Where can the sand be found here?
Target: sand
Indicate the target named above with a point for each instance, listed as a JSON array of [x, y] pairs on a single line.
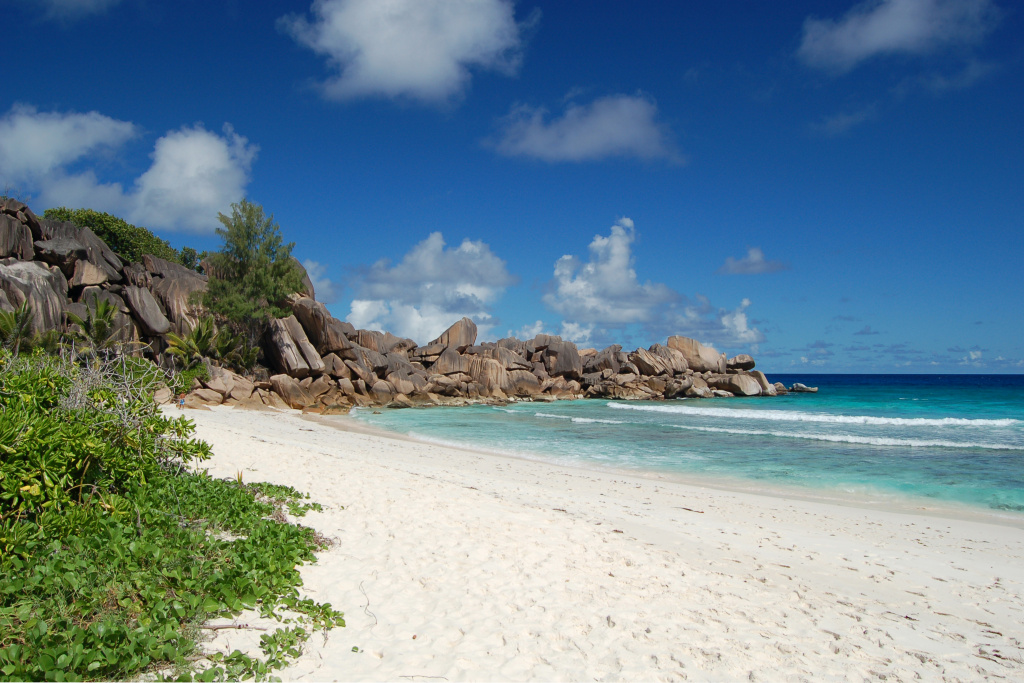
[[455, 565]]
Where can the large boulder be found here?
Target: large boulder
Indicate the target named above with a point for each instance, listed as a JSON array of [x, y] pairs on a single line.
[[327, 333], [15, 239], [767, 388], [42, 288], [675, 362], [179, 289], [313, 360], [307, 284], [491, 375], [562, 359], [291, 392], [738, 385], [63, 252], [450, 362], [740, 362], [97, 251], [459, 336], [146, 311], [649, 363], [605, 359], [125, 327], [282, 351], [699, 358]]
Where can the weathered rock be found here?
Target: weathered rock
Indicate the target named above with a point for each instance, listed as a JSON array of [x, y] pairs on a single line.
[[523, 383], [803, 389], [491, 375], [136, 275], [63, 252], [382, 391], [291, 392], [740, 362], [371, 360], [298, 335], [698, 357], [146, 310], [320, 386], [327, 333], [15, 239], [242, 389], [739, 385], [179, 289], [509, 359], [335, 367], [88, 273], [220, 381], [162, 396], [427, 353], [97, 251], [362, 373], [44, 289], [450, 362], [282, 351], [698, 388], [206, 397], [370, 339], [722, 393], [780, 388], [674, 361], [649, 363], [767, 388], [346, 387], [561, 359], [458, 336], [606, 359], [675, 388]]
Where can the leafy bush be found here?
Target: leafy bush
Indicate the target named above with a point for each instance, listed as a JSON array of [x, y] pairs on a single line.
[[183, 380], [126, 240], [112, 554]]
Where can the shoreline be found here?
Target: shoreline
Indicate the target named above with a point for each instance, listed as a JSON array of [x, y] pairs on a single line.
[[903, 503], [509, 569]]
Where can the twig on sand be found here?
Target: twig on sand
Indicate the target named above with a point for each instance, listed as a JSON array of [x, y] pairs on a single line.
[[223, 626], [422, 676], [366, 608], [699, 512]]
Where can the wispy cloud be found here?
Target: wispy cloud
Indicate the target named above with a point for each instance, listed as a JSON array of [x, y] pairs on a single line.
[[881, 27], [613, 126], [419, 49], [754, 263], [70, 10], [866, 330], [838, 124]]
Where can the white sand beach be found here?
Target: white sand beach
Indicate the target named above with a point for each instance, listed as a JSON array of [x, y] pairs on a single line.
[[455, 565]]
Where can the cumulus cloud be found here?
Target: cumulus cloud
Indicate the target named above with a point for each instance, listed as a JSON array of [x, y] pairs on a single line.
[[430, 288], [421, 49], [754, 263], [602, 296], [34, 144], [194, 174], [322, 285], [866, 331], [613, 126], [880, 27]]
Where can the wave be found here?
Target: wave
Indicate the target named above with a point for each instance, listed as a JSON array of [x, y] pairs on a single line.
[[580, 420], [850, 438], [799, 416]]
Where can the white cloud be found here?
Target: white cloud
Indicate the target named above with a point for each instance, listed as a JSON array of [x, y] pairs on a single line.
[[529, 331], [64, 10], [838, 124], [432, 287], [879, 27], [614, 126], [605, 289], [194, 175], [599, 298], [754, 263], [322, 285], [423, 49], [34, 144]]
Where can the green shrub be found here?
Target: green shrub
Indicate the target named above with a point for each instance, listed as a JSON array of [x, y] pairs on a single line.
[[128, 241], [113, 554]]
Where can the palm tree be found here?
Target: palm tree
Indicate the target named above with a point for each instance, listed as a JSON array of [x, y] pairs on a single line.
[[14, 326], [193, 347], [97, 330]]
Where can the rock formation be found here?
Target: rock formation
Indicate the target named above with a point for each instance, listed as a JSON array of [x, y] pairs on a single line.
[[319, 363]]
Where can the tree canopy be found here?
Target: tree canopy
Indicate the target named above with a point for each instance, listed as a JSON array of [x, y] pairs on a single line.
[[253, 273]]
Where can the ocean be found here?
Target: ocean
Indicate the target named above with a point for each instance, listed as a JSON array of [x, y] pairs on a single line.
[[954, 441]]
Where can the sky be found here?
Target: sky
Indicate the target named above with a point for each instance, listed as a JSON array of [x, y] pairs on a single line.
[[830, 186]]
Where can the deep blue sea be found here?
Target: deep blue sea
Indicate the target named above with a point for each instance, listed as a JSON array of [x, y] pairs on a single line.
[[950, 439]]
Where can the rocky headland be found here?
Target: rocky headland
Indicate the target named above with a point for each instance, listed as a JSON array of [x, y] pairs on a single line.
[[317, 363]]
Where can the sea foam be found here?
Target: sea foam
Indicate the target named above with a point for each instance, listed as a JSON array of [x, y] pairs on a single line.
[[800, 416], [850, 438]]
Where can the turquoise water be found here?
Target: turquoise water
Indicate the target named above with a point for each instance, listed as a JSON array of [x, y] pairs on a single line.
[[954, 439]]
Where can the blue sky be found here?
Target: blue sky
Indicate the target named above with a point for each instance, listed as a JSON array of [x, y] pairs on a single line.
[[830, 186]]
